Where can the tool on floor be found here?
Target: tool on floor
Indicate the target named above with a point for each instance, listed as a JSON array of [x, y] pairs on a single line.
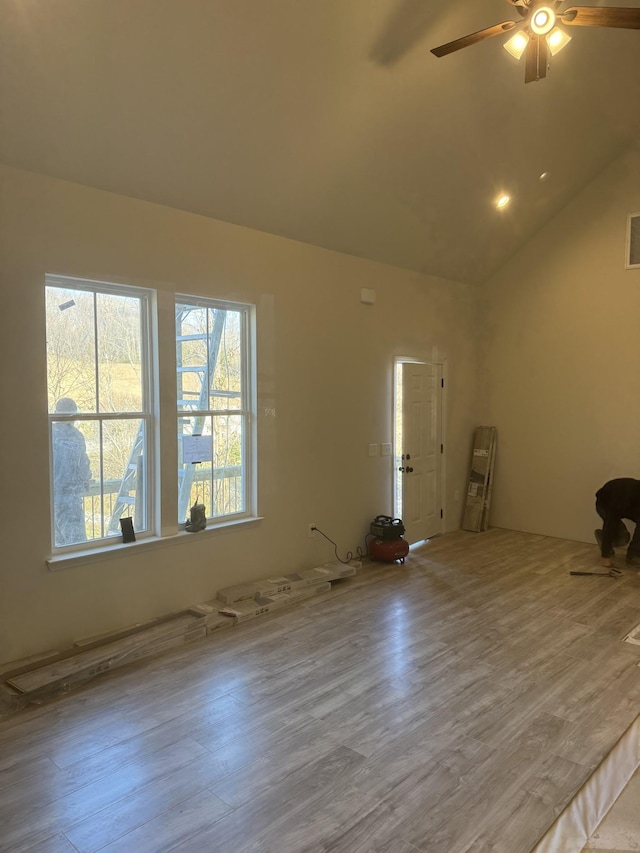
[[388, 544], [612, 573]]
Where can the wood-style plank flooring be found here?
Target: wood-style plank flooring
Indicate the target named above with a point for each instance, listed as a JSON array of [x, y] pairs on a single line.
[[452, 704]]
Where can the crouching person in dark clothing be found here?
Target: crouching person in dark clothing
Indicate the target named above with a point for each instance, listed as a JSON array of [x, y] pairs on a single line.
[[616, 500]]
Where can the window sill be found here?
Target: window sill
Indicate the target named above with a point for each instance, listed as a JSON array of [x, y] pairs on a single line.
[[71, 559]]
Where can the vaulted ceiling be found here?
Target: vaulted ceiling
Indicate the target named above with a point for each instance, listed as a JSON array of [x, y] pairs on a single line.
[[327, 121]]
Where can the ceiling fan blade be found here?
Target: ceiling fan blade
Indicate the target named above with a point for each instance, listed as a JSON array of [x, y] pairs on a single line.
[[407, 24], [543, 57], [536, 59], [466, 41], [602, 16], [531, 60]]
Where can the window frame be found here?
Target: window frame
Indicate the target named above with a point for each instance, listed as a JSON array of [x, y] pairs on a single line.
[[158, 410], [148, 411], [247, 410]]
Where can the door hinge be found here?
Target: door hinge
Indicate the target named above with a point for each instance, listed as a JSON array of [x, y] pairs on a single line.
[[442, 383], [442, 448], [441, 513]]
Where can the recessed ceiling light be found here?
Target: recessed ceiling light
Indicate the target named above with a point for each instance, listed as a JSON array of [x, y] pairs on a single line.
[[543, 176], [503, 201]]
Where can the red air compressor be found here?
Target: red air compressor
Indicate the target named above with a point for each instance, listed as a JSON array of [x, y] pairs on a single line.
[[388, 544]]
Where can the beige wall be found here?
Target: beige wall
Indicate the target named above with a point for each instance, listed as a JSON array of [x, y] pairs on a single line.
[[561, 362], [325, 384]]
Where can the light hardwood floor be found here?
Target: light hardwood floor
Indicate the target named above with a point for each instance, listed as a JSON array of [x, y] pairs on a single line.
[[452, 704]]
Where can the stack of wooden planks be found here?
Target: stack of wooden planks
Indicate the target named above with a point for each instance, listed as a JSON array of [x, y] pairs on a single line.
[[246, 601], [55, 671], [476, 512]]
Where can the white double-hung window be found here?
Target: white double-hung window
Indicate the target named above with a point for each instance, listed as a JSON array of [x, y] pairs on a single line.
[[101, 404], [214, 354], [105, 412]]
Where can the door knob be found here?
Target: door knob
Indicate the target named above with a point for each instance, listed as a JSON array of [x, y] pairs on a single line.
[[409, 470], [401, 469]]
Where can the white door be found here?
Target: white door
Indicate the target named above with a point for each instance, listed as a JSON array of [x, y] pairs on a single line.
[[418, 449]]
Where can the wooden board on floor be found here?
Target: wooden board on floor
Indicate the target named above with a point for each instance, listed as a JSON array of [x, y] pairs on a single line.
[[250, 608], [286, 582], [213, 619], [17, 667], [476, 512], [85, 664]]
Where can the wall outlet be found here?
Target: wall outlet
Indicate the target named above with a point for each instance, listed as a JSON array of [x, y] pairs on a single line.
[[311, 532], [386, 449], [373, 450]]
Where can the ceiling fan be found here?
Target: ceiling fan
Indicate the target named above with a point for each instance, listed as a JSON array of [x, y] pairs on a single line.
[[538, 35]]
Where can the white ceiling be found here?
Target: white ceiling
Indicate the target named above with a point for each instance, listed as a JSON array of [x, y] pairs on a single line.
[[327, 121]]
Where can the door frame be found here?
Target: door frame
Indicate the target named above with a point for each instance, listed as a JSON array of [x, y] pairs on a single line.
[[442, 364]]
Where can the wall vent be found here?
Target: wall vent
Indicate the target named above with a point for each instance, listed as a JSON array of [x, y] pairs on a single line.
[[633, 242]]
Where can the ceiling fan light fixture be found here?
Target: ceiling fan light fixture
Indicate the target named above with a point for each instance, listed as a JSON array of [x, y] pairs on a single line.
[[557, 39], [543, 21], [517, 44]]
